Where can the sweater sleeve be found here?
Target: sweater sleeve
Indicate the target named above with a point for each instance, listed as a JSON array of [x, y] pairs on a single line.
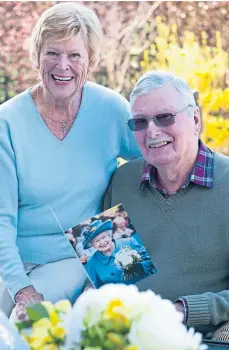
[[208, 308], [128, 149], [11, 267]]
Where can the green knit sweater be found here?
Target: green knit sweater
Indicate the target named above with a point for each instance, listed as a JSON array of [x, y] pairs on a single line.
[[187, 236]]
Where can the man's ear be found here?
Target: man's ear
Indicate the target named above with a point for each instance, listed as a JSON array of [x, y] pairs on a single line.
[[197, 121]]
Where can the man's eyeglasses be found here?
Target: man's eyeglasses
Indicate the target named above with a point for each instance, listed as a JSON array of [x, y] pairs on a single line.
[[162, 120]]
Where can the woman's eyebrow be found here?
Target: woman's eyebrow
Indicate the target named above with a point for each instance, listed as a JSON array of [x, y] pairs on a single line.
[[51, 48], [56, 49]]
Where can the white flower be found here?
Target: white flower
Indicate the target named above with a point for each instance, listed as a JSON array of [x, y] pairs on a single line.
[[153, 332], [126, 257], [136, 254], [155, 323], [124, 260], [90, 305]]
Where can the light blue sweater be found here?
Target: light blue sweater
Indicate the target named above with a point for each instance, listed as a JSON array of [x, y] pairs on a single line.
[[37, 171]]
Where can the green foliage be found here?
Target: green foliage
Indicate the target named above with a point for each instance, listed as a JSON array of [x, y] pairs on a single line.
[[203, 67], [36, 312], [107, 334]]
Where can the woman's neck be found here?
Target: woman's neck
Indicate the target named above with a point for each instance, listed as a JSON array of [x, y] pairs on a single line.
[[58, 109]]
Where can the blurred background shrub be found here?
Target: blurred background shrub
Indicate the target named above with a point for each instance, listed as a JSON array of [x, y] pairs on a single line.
[[188, 38]]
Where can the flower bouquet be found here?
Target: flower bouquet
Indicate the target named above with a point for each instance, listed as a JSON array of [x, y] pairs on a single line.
[[126, 259], [114, 317], [45, 327]]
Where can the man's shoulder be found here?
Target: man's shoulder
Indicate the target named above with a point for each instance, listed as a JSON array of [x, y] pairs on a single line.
[[128, 176], [135, 166], [221, 167]]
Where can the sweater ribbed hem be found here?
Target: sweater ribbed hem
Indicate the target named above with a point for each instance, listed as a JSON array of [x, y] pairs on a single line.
[[198, 310], [18, 284]]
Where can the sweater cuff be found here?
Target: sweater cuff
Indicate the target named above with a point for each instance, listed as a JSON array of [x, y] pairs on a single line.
[[17, 284], [198, 310]]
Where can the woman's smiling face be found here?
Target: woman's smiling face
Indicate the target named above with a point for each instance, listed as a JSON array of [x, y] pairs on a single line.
[[103, 241], [64, 66]]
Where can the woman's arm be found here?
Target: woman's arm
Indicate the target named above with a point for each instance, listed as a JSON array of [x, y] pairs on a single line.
[[11, 267]]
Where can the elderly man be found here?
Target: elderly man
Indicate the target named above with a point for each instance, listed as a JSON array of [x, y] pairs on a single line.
[[177, 197]]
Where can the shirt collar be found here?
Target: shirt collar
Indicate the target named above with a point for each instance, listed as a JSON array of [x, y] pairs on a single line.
[[202, 172]]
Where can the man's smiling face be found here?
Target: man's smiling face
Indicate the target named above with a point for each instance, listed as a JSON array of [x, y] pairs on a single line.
[[164, 145]]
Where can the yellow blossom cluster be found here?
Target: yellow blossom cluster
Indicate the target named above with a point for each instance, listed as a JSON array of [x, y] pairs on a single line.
[[45, 329], [205, 68]]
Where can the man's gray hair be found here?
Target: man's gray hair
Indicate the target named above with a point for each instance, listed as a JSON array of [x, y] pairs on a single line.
[[155, 80]]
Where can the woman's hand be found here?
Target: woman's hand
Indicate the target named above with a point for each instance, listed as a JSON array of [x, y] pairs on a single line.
[[83, 259], [71, 238], [26, 297]]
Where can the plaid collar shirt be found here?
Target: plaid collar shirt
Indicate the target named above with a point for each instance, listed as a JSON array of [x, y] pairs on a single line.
[[202, 172]]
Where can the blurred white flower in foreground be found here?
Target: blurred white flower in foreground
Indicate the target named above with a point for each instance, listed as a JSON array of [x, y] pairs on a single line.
[[150, 322]]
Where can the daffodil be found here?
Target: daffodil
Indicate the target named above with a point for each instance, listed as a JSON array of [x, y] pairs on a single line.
[[117, 311], [131, 347], [58, 332], [63, 306], [53, 314]]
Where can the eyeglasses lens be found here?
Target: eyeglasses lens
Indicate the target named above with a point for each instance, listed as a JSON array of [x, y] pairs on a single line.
[[164, 119], [161, 120]]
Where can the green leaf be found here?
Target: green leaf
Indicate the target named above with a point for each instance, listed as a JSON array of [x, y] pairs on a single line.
[[23, 324], [36, 312]]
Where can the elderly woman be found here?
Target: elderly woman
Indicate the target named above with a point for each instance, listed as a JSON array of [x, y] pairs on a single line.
[[59, 145], [102, 267]]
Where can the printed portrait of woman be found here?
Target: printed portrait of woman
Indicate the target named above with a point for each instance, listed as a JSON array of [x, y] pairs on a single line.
[[122, 260]]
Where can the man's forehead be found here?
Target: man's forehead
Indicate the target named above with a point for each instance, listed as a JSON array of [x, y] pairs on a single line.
[[159, 101], [144, 110]]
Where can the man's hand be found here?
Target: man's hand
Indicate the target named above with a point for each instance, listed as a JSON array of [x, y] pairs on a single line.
[[26, 297], [180, 307]]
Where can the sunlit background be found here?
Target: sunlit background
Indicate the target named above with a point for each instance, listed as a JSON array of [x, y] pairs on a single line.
[[188, 38]]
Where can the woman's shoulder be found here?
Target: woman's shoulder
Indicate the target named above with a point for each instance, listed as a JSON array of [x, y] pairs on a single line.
[[15, 106], [105, 94]]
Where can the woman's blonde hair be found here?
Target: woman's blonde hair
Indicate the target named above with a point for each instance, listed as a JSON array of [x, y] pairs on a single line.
[[62, 21]]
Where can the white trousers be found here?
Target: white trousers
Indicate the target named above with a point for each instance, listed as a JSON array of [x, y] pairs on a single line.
[[63, 279]]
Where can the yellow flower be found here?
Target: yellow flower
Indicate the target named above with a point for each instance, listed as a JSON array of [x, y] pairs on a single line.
[[37, 344], [117, 311], [115, 339], [43, 323], [63, 306], [40, 333], [53, 315], [131, 347], [58, 332]]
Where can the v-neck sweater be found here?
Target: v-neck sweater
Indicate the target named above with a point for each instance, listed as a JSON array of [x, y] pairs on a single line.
[[187, 236], [40, 173]]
